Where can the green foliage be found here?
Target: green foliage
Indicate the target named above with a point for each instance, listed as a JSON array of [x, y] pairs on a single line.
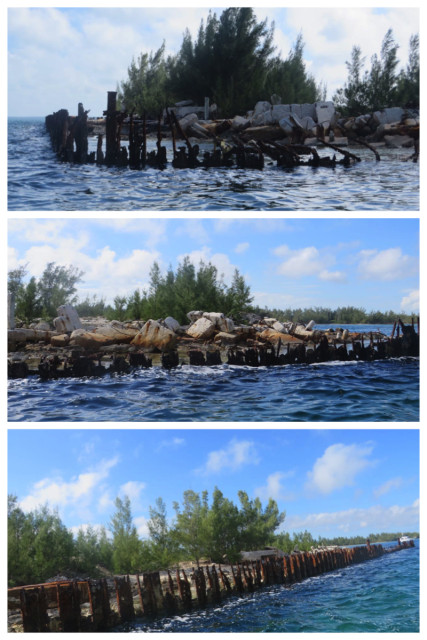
[[341, 315], [289, 78], [39, 545], [55, 287], [231, 62], [175, 294], [92, 306], [146, 88], [380, 86], [126, 556]]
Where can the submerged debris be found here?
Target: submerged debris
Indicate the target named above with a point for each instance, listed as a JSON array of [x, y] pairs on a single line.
[[283, 133]]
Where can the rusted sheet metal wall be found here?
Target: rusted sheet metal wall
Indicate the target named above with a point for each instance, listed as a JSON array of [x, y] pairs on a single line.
[[108, 606]]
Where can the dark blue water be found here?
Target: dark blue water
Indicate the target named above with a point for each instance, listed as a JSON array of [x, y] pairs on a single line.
[[37, 181], [354, 391], [381, 595]]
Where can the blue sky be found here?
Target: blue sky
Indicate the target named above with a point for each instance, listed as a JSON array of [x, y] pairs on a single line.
[[331, 262], [58, 57], [329, 481]]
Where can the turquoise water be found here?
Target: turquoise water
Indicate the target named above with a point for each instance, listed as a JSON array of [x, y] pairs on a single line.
[[37, 181], [381, 595]]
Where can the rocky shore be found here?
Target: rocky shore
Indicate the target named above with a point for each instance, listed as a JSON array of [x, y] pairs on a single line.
[[76, 347]]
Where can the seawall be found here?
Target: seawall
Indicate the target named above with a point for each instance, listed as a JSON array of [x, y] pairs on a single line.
[[97, 605]]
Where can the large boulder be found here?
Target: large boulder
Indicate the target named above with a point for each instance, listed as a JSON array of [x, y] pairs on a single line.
[[388, 116], [202, 329], [221, 322], [113, 333], [304, 110], [188, 121], [171, 323], [194, 315], [61, 340], [225, 338], [68, 319], [154, 336], [324, 113]]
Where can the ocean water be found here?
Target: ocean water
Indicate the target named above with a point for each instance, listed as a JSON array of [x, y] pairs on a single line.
[[38, 181], [378, 596]]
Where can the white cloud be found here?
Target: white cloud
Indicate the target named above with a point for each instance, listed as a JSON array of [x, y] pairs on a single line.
[[172, 443], [237, 454], [132, 489], [60, 493], [194, 229], [309, 261], [353, 521], [411, 302], [338, 467], [389, 264], [242, 247], [274, 488], [393, 483], [141, 524]]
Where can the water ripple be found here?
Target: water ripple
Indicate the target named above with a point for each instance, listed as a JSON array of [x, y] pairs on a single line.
[[356, 391], [37, 181]]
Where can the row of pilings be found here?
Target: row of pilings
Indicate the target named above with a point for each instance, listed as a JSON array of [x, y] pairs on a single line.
[[81, 364], [96, 605], [69, 137]]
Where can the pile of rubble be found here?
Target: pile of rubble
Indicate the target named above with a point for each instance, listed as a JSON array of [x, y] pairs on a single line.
[[78, 347]]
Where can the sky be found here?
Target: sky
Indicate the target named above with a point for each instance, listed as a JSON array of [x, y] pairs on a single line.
[[58, 57], [372, 263], [330, 482]]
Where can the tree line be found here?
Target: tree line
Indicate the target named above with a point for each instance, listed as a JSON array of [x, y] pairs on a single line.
[[169, 294], [40, 546], [234, 63], [381, 86]]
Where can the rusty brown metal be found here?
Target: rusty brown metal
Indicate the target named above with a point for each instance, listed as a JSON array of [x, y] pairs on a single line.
[[200, 582], [225, 581], [124, 598], [68, 596], [184, 589], [215, 585], [99, 601], [34, 610]]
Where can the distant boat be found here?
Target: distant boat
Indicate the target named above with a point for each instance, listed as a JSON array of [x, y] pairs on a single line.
[[405, 539]]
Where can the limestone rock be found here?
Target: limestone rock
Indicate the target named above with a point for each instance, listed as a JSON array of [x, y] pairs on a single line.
[[225, 338], [388, 116], [172, 324], [194, 315], [68, 319], [154, 336], [113, 333], [202, 329], [60, 341], [325, 113]]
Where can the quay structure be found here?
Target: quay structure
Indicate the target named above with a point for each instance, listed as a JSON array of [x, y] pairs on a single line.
[[98, 605]]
